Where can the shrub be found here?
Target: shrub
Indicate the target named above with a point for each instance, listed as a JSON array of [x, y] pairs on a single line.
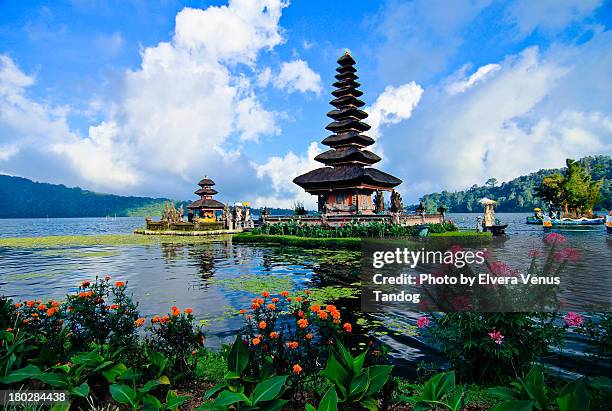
[[176, 337], [102, 313], [44, 323]]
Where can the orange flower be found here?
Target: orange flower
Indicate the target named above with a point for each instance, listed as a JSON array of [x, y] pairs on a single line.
[[114, 306], [256, 341], [265, 294], [330, 308], [292, 345], [248, 317], [194, 352], [10, 330], [262, 325], [347, 327], [275, 300], [308, 336], [34, 315], [307, 292], [42, 307], [17, 305], [322, 315], [271, 307], [274, 335], [30, 303], [297, 369], [139, 322], [52, 311], [336, 321], [298, 299], [85, 283], [335, 315], [26, 321], [289, 299], [175, 311], [55, 304], [303, 323], [243, 311], [255, 306], [315, 308], [284, 294], [188, 310], [164, 319], [119, 284], [155, 319]]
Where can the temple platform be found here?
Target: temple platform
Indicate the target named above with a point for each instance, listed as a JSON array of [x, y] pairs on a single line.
[[338, 220], [191, 233]]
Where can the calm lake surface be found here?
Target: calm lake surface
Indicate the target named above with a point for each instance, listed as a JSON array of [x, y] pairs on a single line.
[[219, 277]]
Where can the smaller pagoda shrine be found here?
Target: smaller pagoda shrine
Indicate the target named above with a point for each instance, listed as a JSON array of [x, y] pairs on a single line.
[[206, 206], [345, 184]]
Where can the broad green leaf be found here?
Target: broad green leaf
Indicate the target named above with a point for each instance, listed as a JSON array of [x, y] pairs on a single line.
[[226, 398], [504, 393], [309, 407], [62, 406], [574, 396], [212, 391], [274, 405], [378, 376], [113, 372], [334, 371], [445, 385], [29, 371], [329, 402], [534, 385], [53, 379], [102, 366], [173, 401], [268, 390], [164, 380], [231, 375], [345, 357], [454, 401], [358, 362], [359, 385], [81, 391], [123, 394], [514, 405], [152, 401], [238, 358], [150, 385], [369, 404]]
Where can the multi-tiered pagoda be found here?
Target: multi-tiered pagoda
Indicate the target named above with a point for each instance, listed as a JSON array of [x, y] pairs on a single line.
[[206, 205], [346, 183]]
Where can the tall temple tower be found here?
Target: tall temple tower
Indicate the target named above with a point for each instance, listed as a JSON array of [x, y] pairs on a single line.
[[346, 183]]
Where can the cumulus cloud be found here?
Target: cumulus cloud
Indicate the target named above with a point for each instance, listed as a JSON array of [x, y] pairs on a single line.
[[297, 76], [281, 171], [186, 109], [393, 105]]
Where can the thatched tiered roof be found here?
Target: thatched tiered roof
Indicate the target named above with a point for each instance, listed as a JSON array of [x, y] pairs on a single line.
[[206, 202]]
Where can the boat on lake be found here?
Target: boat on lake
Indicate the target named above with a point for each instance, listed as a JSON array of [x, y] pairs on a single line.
[[536, 218], [572, 222]]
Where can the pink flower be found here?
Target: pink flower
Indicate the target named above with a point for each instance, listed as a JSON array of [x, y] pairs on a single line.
[[534, 253], [497, 337], [423, 322], [423, 305], [554, 238], [573, 320], [502, 269], [568, 254]]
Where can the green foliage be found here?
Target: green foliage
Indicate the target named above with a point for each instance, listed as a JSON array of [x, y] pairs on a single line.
[[519, 195], [346, 243], [597, 327], [20, 197], [240, 390], [531, 393], [464, 337], [62, 241], [355, 385], [439, 391]]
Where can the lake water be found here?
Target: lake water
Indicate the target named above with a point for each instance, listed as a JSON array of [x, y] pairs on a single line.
[[218, 277]]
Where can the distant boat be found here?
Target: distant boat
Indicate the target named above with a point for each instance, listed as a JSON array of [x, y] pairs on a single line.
[[557, 222], [534, 220]]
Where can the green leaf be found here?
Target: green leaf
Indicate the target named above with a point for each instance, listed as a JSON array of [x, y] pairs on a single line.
[[454, 401], [29, 371], [359, 385], [514, 405], [62, 406], [268, 390], [535, 388], [87, 358], [152, 401], [102, 366], [81, 391], [370, 404], [309, 407], [334, 371], [173, 401], [238, 358], [345, 357], [504, 393], [212, 391], [164, 380], [378, 376], [329, 402], [150, 385], [274, 405], [358, 362], [445, 385], [231, 375], [601, 383], [226, 398], [113, 372], [574, 396], [53, 379], [123, 394]]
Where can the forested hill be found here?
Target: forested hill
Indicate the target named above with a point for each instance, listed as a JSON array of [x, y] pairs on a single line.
[[518, 195], [20, 197]]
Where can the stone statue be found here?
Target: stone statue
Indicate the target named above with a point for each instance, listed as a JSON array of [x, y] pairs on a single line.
[[227, 217], [248, 221], [396, 202], [379, 202], [180, 213], [238, 216]]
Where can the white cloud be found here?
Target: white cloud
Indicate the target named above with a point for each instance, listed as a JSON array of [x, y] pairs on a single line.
[[548, 16], [264, 77], [281, 171], [297, 76], [478, 76], [185, 111], [393, 105]]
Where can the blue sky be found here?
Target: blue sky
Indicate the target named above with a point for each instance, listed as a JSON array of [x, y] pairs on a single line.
[[144, 98]]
